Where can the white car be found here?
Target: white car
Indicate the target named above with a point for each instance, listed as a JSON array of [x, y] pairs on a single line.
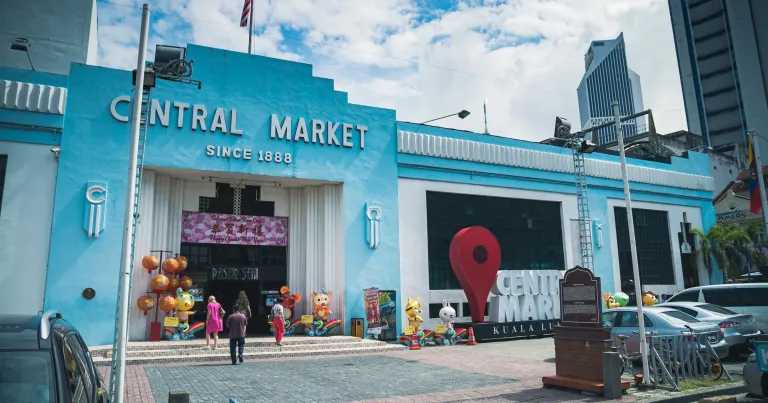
[[740, 330], [747, 298]]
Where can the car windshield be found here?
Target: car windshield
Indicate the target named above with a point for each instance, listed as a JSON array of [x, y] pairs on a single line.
[[680, 316], [716, 309], [26, 376]]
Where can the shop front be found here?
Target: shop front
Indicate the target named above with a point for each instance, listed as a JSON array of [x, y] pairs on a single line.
[[263, 178]]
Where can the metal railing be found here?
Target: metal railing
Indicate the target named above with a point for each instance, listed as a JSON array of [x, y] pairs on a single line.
[[675, 358]]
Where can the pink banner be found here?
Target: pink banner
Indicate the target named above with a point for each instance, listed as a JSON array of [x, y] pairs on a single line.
[[233, 229]]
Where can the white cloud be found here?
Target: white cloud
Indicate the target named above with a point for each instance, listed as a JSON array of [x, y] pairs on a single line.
[[524, 56]]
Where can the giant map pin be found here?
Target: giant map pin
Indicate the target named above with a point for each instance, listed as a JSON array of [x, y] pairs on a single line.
[[475, 258]]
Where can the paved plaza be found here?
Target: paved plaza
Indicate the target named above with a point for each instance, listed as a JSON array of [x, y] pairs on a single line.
[[491, 372]]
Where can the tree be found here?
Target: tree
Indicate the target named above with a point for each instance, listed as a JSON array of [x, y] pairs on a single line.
[[730, 246]]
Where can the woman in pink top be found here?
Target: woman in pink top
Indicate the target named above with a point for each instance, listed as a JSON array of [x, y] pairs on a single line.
[[213, 323]]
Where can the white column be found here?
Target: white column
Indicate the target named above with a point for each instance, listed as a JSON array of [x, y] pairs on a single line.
[[297, 257], [141, 278], [333, 248], [175, 205], [160, 221]]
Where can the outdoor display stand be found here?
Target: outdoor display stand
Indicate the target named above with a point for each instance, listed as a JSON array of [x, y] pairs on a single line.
[[581, 339]]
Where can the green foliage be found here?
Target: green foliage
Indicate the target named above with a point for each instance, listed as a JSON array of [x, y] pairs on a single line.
[[727, 245]]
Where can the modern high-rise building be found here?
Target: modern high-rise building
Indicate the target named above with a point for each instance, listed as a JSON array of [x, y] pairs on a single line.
[[607, 79], [722, 53]]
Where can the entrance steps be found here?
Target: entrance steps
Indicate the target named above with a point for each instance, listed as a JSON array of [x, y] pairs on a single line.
[[163, 352]]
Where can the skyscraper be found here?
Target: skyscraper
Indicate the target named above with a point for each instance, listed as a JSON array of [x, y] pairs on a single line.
[[722, 53], [607, 79]]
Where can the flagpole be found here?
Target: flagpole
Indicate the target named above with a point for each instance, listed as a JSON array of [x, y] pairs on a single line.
[[250, 30], [760, 180]]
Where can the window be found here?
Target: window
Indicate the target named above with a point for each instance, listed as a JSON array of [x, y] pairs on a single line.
[[686, 296], [434, 310], [466, 313], [688, 311], [737, 296], [82, 385], [609, 319], [629, 319], [716, 309], [3, 166], [530, 232], [26, 377], [654, 251], [680, 316]]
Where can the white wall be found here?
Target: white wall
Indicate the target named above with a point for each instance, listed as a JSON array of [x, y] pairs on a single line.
[[193, 191], [59, 33], [25, 225], [414, 260], [675, 217]]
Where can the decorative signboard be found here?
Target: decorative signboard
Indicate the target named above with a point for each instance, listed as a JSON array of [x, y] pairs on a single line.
[[371, 296], [234, 273], [580, 298], [388, 315], [233, 229], [307, 319], [170, 321]]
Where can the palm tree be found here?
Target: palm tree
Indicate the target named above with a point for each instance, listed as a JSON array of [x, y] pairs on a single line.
[[730, 246]]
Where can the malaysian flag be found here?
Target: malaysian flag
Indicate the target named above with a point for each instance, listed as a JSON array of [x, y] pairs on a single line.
[[246, 13]]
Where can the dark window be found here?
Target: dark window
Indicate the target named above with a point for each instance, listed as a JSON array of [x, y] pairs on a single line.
[[629, 319], [680, 316], [736, 296], [204, 204], [686, 296], [434, 310], [716, 309], [609, 319], [529, 232], [82, 385], [196, 254], [654, 251], [3, 166], [466, 313], [26, 376], [689, 311]]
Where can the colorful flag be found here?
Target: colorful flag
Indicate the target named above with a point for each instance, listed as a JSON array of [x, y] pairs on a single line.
[[246, 13], [755, 204]]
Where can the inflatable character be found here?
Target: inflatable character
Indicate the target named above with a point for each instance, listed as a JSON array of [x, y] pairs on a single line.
[[621, 298], [610, 301], [413, 310], [321, 301], [289, 302], [185, 302], [650, 299], [447, 314]]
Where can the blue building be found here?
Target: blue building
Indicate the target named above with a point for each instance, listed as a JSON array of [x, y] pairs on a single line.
[[306, 189], [607, 78]]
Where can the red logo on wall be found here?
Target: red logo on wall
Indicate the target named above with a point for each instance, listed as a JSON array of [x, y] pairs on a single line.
[[475, 258]]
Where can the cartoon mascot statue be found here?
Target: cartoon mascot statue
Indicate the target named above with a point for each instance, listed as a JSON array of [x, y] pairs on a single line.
[[323, 323]]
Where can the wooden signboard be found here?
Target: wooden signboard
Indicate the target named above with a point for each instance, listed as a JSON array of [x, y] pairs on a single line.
[[580, 300]]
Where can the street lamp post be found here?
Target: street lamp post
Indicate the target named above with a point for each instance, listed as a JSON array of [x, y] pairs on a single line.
[[632, 244], [462, 114]]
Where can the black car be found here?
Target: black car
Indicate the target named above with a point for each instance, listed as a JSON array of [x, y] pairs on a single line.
[[44, 359]]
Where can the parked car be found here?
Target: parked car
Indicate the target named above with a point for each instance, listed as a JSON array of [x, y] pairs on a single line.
[[755, 380], [747, 298], [740, 329], [665, 321], [44, 359]]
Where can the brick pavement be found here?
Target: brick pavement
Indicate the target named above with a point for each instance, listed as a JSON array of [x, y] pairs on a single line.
[[491, 372]]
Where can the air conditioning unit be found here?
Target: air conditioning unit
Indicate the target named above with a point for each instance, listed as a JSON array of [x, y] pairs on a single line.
[[165, 54]]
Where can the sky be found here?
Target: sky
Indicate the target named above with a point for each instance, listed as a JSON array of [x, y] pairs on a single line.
[[429, 58]]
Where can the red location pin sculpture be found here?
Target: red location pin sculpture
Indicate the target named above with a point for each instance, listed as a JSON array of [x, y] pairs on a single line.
[[475, 258]]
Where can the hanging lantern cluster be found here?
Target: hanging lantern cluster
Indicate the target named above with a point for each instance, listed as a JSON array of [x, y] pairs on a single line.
[[145, 303]]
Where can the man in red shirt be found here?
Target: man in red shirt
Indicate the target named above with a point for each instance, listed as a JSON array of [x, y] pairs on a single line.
[[236, 324]]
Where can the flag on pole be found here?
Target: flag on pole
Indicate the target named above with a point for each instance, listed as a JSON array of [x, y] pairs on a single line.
[[246, 13], [755, 204]]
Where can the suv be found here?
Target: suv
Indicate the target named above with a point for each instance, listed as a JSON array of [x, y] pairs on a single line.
[[44, 359], [746, 298]]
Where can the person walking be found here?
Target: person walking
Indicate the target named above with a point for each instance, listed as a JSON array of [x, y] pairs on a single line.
[[213, 323], [278, 320], [236, 324], [243, 304]]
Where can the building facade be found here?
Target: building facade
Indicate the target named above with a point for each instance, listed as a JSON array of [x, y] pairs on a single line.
[[722, 53], [607, 78]]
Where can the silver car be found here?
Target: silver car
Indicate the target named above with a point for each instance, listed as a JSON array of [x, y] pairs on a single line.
[[740, 329], [665, 321]]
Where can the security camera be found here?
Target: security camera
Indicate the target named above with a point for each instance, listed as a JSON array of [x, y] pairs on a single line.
[[56, 151]]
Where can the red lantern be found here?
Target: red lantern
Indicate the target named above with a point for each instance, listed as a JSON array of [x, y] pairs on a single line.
[[167, 303], [150, 263], [182, 263], [185, 283], [173, 284], [170, 266], [145, 303], [159, 283]]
